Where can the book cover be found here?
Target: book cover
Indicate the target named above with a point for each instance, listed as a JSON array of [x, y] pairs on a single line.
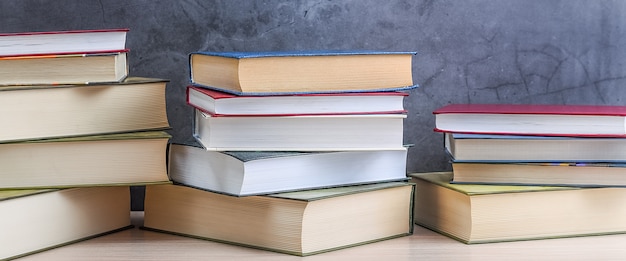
[[16, 193], [600, 110], [262, 54]]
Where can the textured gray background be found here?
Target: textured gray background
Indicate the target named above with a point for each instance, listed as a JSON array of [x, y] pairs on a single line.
[[473, 51]]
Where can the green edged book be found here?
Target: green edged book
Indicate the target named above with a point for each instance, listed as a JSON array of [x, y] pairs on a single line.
[[53, 111], [497, 213], [299, 223], [37, 220], [133, 158]]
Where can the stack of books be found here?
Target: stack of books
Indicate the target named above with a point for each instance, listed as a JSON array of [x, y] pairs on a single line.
[[78, 131], [527, 172], [301, 153]]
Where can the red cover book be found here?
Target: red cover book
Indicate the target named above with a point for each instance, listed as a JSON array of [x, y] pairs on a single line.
[[219, 103], [63, 42], [527, 119]]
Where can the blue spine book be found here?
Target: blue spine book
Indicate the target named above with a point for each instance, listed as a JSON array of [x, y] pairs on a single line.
[[302, 72]]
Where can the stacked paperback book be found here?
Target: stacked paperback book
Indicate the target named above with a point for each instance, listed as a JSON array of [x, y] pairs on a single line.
[[523, 172], [300, 153], [78, 131]]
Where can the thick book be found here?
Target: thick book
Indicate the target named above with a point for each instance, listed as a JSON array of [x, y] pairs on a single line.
[[38, 112], [63, 68], [544, 174], [299, 133], [527, 119], [33, 221], [299, 223], [244, 173], [63, 42], [490, 213], [222, 103], [106, 160], [521, 148], [281, 72]]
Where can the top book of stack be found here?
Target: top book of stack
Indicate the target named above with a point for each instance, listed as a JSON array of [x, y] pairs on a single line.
[[264, 73], [63, 57], [539, 120], [63, 42]]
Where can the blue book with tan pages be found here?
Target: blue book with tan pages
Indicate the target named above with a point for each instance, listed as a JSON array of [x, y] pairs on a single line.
[[292, 72]]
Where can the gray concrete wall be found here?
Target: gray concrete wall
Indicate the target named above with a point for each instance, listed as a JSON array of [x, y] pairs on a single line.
[[472, 51]]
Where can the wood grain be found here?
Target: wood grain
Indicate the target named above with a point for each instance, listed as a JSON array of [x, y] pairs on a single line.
[[137, 244]]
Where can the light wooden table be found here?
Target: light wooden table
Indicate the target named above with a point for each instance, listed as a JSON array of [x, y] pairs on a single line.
[[137, 244]]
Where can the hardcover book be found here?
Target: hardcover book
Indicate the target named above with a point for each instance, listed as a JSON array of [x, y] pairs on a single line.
[[285, 72], [491, 213], [522, 148], [63, 42], [63, 68], [544, 174], [39, 112], [37, 220], [299, 223], [299, 133], [525, 119], [133, 158], [222, 103], [244, 173]]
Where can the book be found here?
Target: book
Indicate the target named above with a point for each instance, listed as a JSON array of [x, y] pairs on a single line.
[[244, 173], [63, 42], [37, 220], [299, 133], [298, 223], [521, 148], [222, 103], [132, 158], [489, 213], [545, 174], [63, 68], [288, 72], [39, 112], [527, 119]]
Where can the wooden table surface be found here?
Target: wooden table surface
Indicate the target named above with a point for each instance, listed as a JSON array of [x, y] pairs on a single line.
[[137, 244]]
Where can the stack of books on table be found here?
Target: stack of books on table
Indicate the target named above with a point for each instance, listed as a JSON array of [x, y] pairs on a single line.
[[524, 172], [77, 133], [301, 153]]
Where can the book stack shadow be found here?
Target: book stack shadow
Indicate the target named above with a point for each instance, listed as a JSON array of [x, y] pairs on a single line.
[[299, 153], [77, 131], [525, 172]]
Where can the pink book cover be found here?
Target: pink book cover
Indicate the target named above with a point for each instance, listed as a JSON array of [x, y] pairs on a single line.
[[604, 110], [224, 95], [65, 32], [539, 109]]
